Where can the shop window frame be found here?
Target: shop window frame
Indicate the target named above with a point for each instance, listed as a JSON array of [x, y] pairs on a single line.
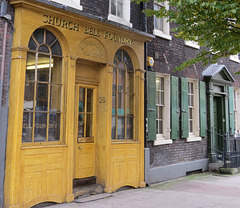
[[34, 50]]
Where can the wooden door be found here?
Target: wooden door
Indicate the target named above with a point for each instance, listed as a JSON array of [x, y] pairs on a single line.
[[85, 131]]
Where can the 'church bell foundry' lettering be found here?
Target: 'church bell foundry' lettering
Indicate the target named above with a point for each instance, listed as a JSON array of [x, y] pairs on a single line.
[[87, 30], [60, 22]]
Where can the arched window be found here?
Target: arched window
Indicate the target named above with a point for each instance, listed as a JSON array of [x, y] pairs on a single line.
[[123, 97], [42, 109]]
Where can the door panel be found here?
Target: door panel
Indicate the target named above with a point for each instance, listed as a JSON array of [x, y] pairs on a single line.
[[85, 131]]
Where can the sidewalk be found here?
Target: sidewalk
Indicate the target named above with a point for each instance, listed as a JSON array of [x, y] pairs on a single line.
[[196, 191]]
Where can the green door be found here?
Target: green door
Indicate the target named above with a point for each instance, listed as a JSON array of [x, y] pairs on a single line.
[[219, 120]]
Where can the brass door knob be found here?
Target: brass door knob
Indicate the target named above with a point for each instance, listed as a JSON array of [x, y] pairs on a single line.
[[79, 147]]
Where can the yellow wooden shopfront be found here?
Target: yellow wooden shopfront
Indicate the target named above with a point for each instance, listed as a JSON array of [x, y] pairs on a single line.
[[76, 105]]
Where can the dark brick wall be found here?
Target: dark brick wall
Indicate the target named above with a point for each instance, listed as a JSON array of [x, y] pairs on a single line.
[[99, 8], [177, 152], [7, 53]]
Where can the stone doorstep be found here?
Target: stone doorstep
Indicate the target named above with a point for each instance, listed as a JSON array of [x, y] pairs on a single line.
[[87, 190]]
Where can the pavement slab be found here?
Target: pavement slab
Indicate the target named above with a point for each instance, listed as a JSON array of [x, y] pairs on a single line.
[[205, 190]]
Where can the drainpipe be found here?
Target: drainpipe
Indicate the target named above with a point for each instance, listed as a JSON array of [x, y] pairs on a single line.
[[3, 107], [7, 17], [144, 28]]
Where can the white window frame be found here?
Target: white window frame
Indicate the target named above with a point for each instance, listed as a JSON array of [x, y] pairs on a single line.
[[125, 19], [236, 104], [195, 135], [235, 58], [165, 138], [192, 44], [71, 3], [166, 26]]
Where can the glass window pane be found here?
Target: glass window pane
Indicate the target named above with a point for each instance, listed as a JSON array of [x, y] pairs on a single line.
[[42, 97], [160, 127], [89, 125], [89, 100], [28, 96], [118, 55], [56, 49], [114, 78], [114, 104], [113, 134], [54, 127], [43, 65], [27, 127], [81, 103], [127, 60], [43, 49], [38, 34], [40, 128], [113, 7], [81, 124], [55, 98], [30, 69], [121, 128], [121, 101], [130, 101], [157, 83], [130, 82], [162, 98], [130, 128], [121, 80], [32, 45], [119, 10], [162, 83], [50, 38], [56, 70]]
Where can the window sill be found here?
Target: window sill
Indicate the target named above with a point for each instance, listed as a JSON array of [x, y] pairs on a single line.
[[69, 4], [193, 139], [162, 141], [235, 60], [160, 34], [119, 20], [191, 44]]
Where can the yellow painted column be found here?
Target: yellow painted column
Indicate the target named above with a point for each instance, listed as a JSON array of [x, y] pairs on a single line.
[[70, 62], [104, 123], [14, 138]]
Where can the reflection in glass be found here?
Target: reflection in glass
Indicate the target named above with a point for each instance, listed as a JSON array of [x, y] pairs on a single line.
[[89, 125], [27, 127], [121, 101], [43, 49], [56, 70], [89, 100], [43, 65], [130, 99], [30, 69], [32, 45], [28, 96], [121, 80], [114, 104], [56, 49], [113, 7], [42, 97], [113, 134], [50, 38], [127, 60], [54, 127], [81, 103], [119, 8], [129, 128], [40, 128], [55, 98], [38, 34], [80, 125], [121, 128]]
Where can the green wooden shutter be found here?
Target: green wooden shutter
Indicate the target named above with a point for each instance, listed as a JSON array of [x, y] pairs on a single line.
[[174, 108], [202, 109], [151, 105], [184, 107], [231, 111]]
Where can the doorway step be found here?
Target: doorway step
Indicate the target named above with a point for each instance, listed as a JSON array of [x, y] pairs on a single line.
[[86, 187]]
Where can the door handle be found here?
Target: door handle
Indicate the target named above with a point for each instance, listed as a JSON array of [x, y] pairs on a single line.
[[80, 147]]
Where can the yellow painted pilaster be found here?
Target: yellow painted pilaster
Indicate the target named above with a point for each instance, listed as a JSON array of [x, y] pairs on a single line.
[[13, 155], [69, 119]]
